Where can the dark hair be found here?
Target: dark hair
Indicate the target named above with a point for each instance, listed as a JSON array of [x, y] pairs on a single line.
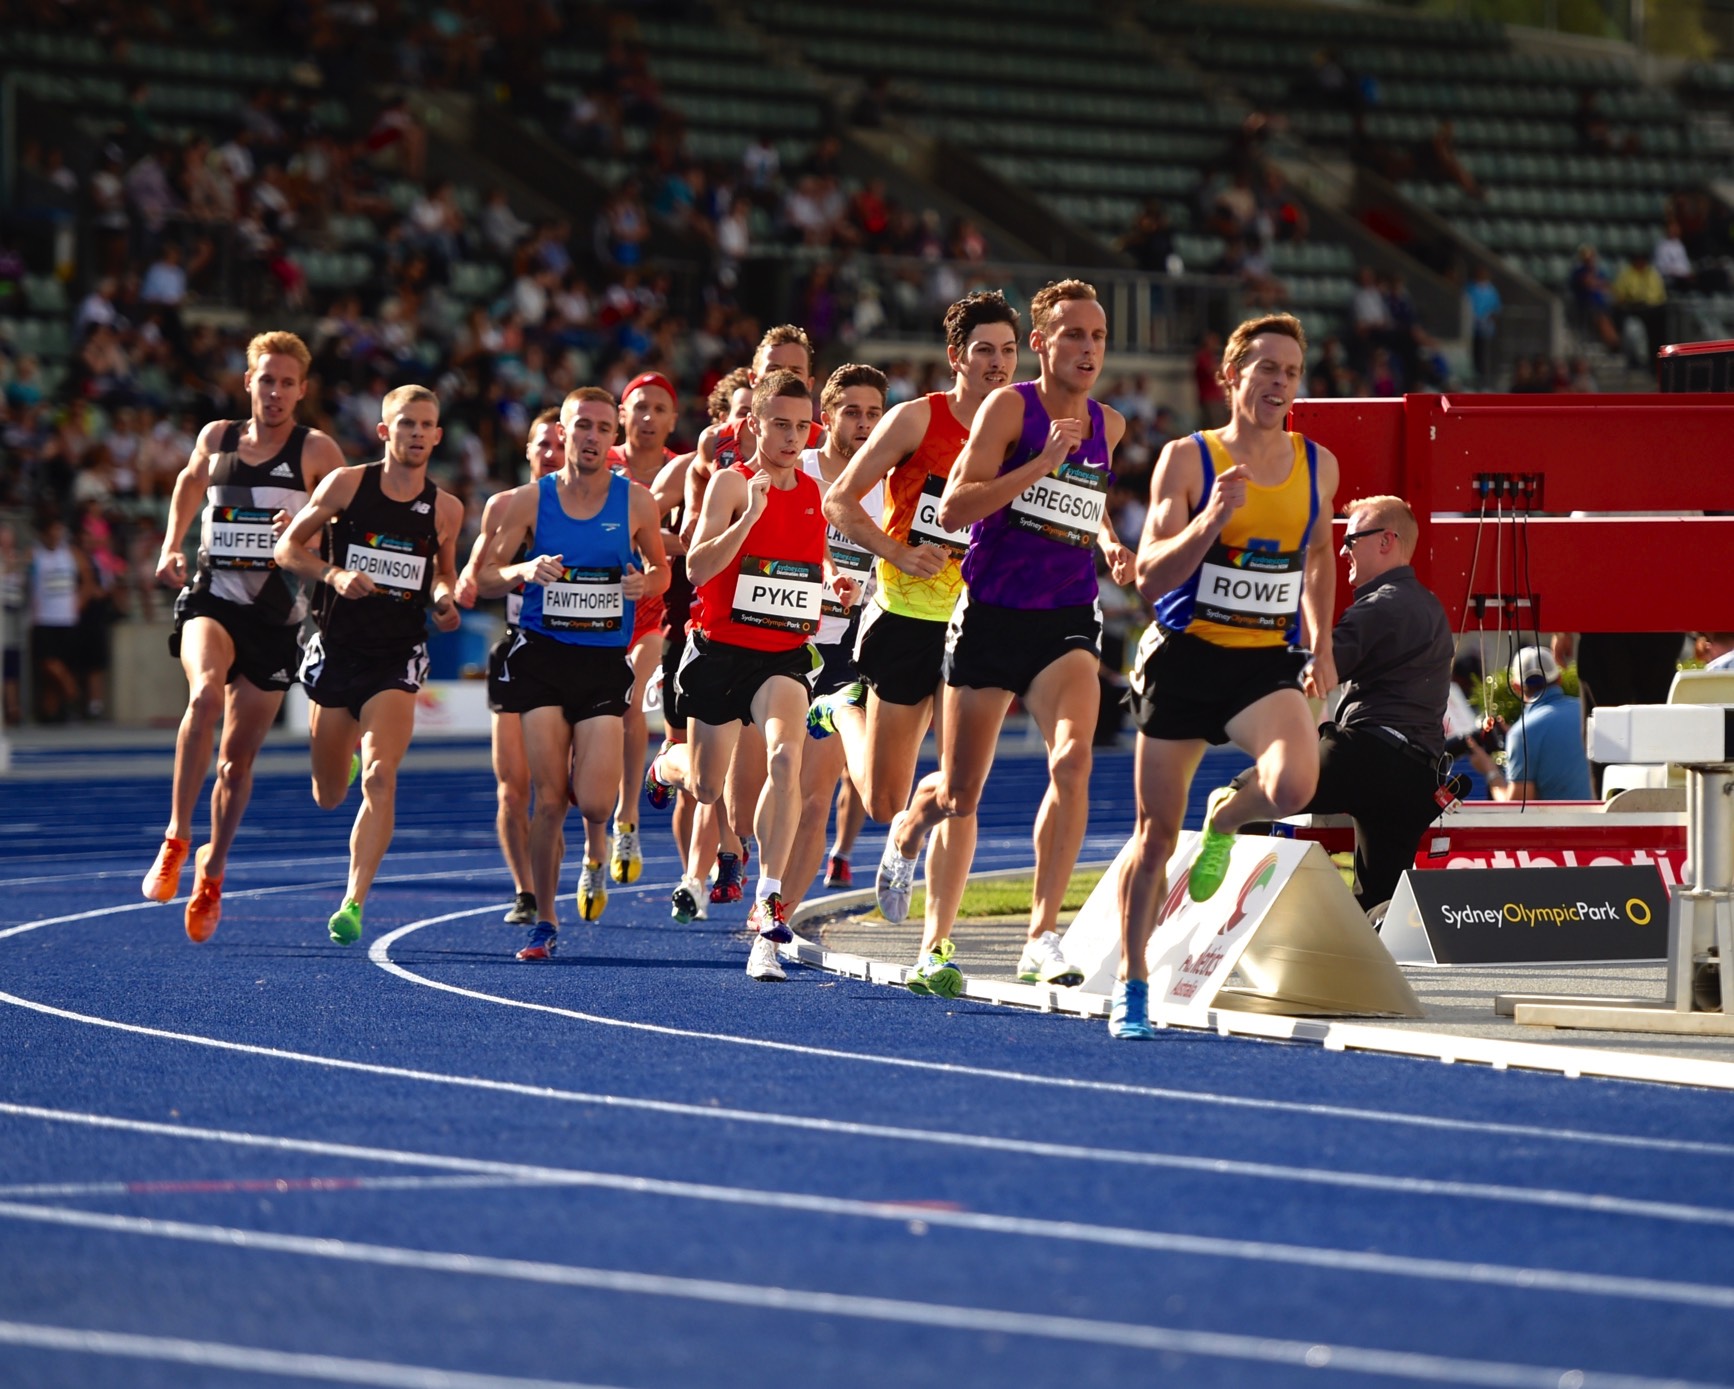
[[973, 310]]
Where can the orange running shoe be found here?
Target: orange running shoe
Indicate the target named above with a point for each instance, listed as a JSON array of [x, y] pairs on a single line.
[[205, 906], [164, 880]]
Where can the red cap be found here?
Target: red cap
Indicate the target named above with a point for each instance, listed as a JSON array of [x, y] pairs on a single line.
[[651, 378]]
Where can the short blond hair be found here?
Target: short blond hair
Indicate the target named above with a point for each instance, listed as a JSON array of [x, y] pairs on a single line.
[[1049, 297], [279, 343], [587, 393], [1392, 514], [395, 401], [781, 336], [1240, 340]]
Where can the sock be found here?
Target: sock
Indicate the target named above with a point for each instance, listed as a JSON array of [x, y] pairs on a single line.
[[768, 887]]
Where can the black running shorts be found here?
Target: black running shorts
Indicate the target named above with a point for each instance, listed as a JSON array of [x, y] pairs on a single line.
[[992, 648], [900, 657], [1184, 687], [266, 653], [583, 682], [346, 678], [717, 681]]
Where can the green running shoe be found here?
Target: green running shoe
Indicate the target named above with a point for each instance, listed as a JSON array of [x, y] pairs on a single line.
[[936, 974], [345, 923], [1214, 847]]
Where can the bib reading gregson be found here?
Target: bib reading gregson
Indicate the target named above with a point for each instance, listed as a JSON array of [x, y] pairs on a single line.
[[1247, 592], [394, 543], [237, 535], [1028, 553], [585, 606], [762, 598]]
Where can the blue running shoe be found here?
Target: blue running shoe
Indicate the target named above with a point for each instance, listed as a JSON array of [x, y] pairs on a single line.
[[542, 942], [1129, 1018]]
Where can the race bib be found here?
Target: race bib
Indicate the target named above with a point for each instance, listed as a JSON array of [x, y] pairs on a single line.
[[1259, 590], [783, 594], [514, 606], [239, 537], [584, 600], [850, 559], [925, 528], [393, 565], [1066, 505]]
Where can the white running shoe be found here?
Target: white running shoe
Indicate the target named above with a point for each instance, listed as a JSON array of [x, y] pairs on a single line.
[[763, 963], [894, 883], [1042, 963]]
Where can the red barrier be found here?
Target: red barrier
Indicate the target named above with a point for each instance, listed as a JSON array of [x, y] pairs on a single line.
[[1505, 471]]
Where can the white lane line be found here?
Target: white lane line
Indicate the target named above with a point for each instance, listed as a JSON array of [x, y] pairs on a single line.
[[380, 953], [1600, 1285], [1410, 1365], [248, 1186], [333, 1369]]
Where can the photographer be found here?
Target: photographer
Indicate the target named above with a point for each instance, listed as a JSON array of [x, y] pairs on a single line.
[[1380, 761], [1545, 757]]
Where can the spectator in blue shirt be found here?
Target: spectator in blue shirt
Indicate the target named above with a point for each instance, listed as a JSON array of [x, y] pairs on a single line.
[[1544, 752]]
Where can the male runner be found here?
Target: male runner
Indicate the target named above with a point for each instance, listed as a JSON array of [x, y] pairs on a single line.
[[648, 411], [1236, 555], [237, 622], [597, 546], [392, 535], [901, 646], [1033, 483], [546, 451], [851, 404], [759, 563]]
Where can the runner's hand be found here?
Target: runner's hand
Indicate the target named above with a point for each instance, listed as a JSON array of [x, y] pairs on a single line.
[[172, 569], [845, 589], [544, 569], [465, 593], [758, 496], [632, 584], [1064, 436], [1121, 562], [351, 584], [1226, 497], [446, 615], [921, 561]]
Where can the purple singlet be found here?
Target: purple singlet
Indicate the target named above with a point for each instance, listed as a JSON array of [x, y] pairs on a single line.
[[1036, 552]]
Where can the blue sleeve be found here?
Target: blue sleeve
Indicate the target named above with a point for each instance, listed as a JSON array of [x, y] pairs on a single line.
[[1517, 751]]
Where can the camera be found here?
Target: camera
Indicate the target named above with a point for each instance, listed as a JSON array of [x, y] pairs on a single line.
[[1490, 737]]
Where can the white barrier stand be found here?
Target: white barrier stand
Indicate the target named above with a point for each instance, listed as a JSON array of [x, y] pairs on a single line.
[[1282, 927], [1699, 737]]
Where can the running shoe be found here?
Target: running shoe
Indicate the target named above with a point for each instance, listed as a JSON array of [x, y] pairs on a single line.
[[762, 961], [625, 862], [205, 906], [837, 872], [935, 973], [544, 940], [730, 878], [164, 880], [345, 923], [822, 716], [766, 918], [684, 904], [657, 791], [592, 892], [894, 883], [354, 767], [1129, 1017], [523, 910], [1042, 963], [1210, 867]]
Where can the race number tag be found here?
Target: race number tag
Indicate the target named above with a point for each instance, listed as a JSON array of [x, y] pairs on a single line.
[[392, 563], [1259, 590], [584, 600], [239, 537], [850, 559], [1066, 505], [782, 594], [925, 528]]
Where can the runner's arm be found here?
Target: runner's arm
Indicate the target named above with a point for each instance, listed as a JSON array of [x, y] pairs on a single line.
[[449, 519], [1319, 596], [722, 527], [189, 495], [1175, 541], [897, 435], [647, 540], [496, 574], [976, 488], [295, 553]]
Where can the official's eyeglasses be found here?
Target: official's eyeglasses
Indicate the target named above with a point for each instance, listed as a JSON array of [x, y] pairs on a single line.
[[1350, 539]]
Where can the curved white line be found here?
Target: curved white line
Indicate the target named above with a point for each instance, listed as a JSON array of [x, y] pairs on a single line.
[[1526, 1279], [1412, 1365], [380, 953], [333, 1369]]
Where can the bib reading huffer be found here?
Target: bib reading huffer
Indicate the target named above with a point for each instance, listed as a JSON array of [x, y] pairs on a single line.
[[236, 534], [1247, 592], [767, 598]]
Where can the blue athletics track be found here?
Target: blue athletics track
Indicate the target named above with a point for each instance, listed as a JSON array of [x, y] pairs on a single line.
[[275, 1160]]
